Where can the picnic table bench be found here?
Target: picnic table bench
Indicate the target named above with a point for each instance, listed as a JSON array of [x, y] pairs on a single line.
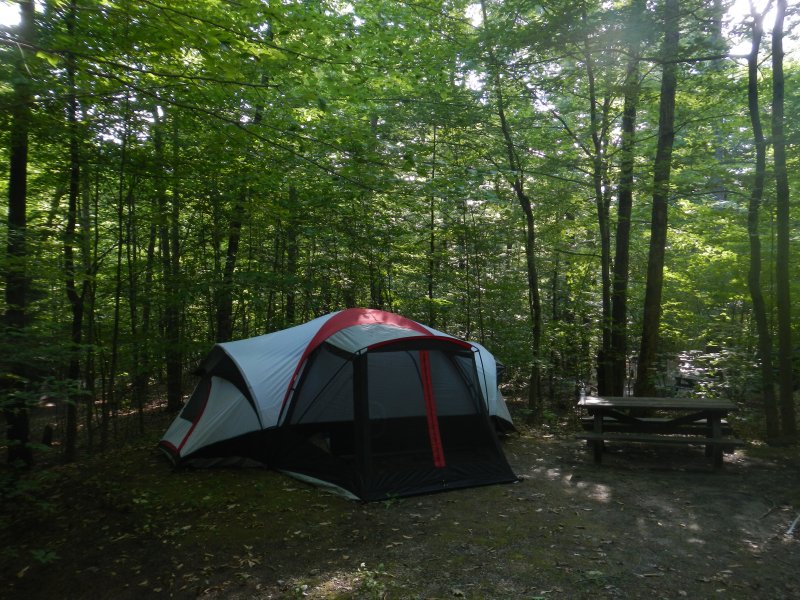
[[691, 421]]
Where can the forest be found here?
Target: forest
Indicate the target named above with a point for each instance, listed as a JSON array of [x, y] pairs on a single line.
[[589, 189]]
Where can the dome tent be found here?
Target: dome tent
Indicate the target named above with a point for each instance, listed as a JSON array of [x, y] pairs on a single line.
[[364, 401]]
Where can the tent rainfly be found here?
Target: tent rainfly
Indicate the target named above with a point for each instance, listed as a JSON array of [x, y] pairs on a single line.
[[363, 401]]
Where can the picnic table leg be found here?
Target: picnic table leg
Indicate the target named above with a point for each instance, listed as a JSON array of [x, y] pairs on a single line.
[[710, 433]]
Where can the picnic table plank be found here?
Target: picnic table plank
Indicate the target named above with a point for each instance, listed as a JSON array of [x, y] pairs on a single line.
[[656, 403]]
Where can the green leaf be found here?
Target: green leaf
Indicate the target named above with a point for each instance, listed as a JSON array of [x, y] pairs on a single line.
[[53, 59]]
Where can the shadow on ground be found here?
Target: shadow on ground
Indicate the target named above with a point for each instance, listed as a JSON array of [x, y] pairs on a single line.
[[648, 522]]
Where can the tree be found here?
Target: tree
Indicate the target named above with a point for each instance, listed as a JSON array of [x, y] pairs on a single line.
[[76, 292], [227, 173], [590, 44], [167, 220], [645, 381], [619, 280], [518, 175], [782, 277], [756, 196], [16, 275]]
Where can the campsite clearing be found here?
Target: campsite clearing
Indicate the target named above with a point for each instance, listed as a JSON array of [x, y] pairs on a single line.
[[648, 522]]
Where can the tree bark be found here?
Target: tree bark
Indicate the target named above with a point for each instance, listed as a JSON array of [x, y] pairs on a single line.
[[645, 380], [16, 274], [619, 278], [76, 292], [91, 260], [225, 298], [782, 281], [143, 355], [771, 417], [599, 167], [118, 276], [432, 241], [166, 242], [291, 258], [535, 407]]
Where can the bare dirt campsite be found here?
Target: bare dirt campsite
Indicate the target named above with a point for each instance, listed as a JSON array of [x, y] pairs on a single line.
[[653, 522]]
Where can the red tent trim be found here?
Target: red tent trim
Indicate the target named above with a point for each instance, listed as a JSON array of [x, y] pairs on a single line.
[[430, 410], [350, 318], [196, 420]]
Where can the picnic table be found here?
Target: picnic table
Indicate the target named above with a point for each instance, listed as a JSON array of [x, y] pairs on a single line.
[[698, 421]]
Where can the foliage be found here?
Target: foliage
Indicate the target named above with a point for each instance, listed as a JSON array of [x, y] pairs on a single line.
[[275, 162]]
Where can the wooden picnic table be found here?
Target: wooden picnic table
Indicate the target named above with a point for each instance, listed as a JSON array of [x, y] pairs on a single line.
[[699, 421]]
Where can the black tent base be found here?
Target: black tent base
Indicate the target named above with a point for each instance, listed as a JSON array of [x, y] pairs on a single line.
[[396, 460]]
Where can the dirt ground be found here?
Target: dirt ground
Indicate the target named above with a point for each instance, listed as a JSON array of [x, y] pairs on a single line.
[[650, 522]]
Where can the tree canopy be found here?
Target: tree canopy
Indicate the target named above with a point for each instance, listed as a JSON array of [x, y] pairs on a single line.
[[178, 173]]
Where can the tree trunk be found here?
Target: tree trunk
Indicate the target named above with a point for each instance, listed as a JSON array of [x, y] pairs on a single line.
[[142, 353], [645, 380], [535, 309], [291, 258], [375, 257], [754, 277], [75, 295], [604, 363], [619, 279], [166, 242], [432, 241], [599, 128], [277, 251], [225, 298], [785, 375], [536, 410], [16, 294], [139, 369], [478, 262], [118, 275], [175, 305], [91, 259]]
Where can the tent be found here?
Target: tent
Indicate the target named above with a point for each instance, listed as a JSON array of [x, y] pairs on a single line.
[[364, 401]]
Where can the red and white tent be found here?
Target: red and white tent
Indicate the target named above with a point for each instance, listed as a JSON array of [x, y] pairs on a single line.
[[362, 400]]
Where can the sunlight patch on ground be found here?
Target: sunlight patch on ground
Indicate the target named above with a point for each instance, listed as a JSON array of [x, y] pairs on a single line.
[[593, 491], [697, 541], [599, 492], [362, 580]]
